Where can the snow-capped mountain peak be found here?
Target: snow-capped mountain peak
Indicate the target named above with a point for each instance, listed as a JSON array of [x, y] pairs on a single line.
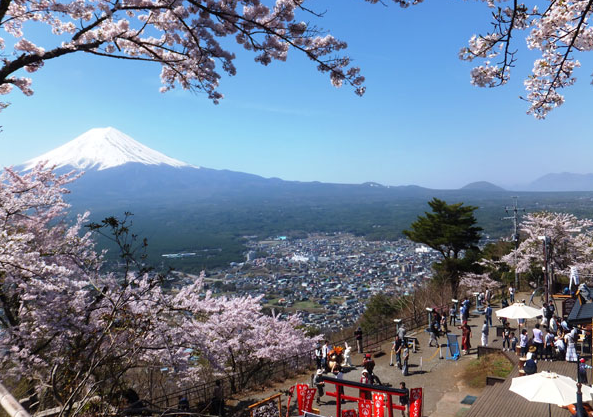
[[103, 148]]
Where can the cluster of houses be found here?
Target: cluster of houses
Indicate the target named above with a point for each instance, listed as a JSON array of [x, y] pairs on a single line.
[[327, 278]]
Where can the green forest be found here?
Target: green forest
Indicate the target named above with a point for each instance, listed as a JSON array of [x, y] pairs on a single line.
[[216, 230]]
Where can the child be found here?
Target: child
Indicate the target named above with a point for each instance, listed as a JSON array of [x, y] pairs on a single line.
[[582, 375]]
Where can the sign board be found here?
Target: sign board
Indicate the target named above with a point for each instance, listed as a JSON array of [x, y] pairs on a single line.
[[452, 346], [416, 402], [270, 407], [567, 306]]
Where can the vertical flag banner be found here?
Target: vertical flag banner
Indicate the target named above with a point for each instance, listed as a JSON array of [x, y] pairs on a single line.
[[416, 402], [291, 393], [349, 413], [378, 404], [301, 392], [365, 408], [308, 401]]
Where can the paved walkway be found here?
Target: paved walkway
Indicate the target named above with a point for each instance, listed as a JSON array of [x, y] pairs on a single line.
[[439, 378]]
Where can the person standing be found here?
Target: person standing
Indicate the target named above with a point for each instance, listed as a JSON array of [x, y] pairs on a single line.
[[462, 313], [538, 341], [488, 314], [514, 342], [396, 350], [452, 315], [582, 376], [506, 337], [564, 325], [523, 342], [319, 384], [512, 294], [550, 311], [436, 318], [549, 346], [444, 323], [544, 321], [571, 351], [466, 335], [358, 335], [218, 401], [404, 400], [324, 354], [560, 348], [365, 378], [480, 300], [369, 364], [433, 332], [466, 305], [485, 332], [318, 355], [553, 325], [405, 359]]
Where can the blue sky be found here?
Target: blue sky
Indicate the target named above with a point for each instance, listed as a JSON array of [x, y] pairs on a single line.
[[420, 122]]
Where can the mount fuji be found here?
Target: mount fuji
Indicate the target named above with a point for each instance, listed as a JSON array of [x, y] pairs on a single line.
[[103, 148], [120, 172]]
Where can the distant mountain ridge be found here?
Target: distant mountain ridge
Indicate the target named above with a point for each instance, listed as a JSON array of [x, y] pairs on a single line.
[[482, 186], [563, 181]]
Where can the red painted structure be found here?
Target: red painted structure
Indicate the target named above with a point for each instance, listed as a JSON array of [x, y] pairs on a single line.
[[365, 388]]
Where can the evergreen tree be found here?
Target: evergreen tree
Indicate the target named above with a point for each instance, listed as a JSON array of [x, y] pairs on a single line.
[[451, 230]]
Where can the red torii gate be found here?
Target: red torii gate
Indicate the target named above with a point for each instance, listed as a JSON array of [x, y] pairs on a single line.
[[339, 383]]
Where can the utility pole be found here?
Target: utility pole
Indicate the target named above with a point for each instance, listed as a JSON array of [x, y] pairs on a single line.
[[547, 258], [515, 218]]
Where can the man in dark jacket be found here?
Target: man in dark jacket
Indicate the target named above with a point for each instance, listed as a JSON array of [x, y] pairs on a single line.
[[358, 335]]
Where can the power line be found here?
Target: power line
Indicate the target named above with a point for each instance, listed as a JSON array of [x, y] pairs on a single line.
[[515, 218]]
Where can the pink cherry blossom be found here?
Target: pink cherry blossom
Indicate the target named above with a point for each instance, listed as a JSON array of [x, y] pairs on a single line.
[[187, 38], [77, 332], [570, 239]]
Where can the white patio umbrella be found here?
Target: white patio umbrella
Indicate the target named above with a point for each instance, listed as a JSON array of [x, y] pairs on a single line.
[[548, 387], [518, 311]]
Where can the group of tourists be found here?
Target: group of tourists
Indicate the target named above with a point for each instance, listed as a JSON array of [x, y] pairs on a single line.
[[551, 339]]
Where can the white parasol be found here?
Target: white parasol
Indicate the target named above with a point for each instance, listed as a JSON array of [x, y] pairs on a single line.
[[518, 311], [548, 387]]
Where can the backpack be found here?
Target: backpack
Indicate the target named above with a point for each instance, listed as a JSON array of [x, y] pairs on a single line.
[[530, 367]]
